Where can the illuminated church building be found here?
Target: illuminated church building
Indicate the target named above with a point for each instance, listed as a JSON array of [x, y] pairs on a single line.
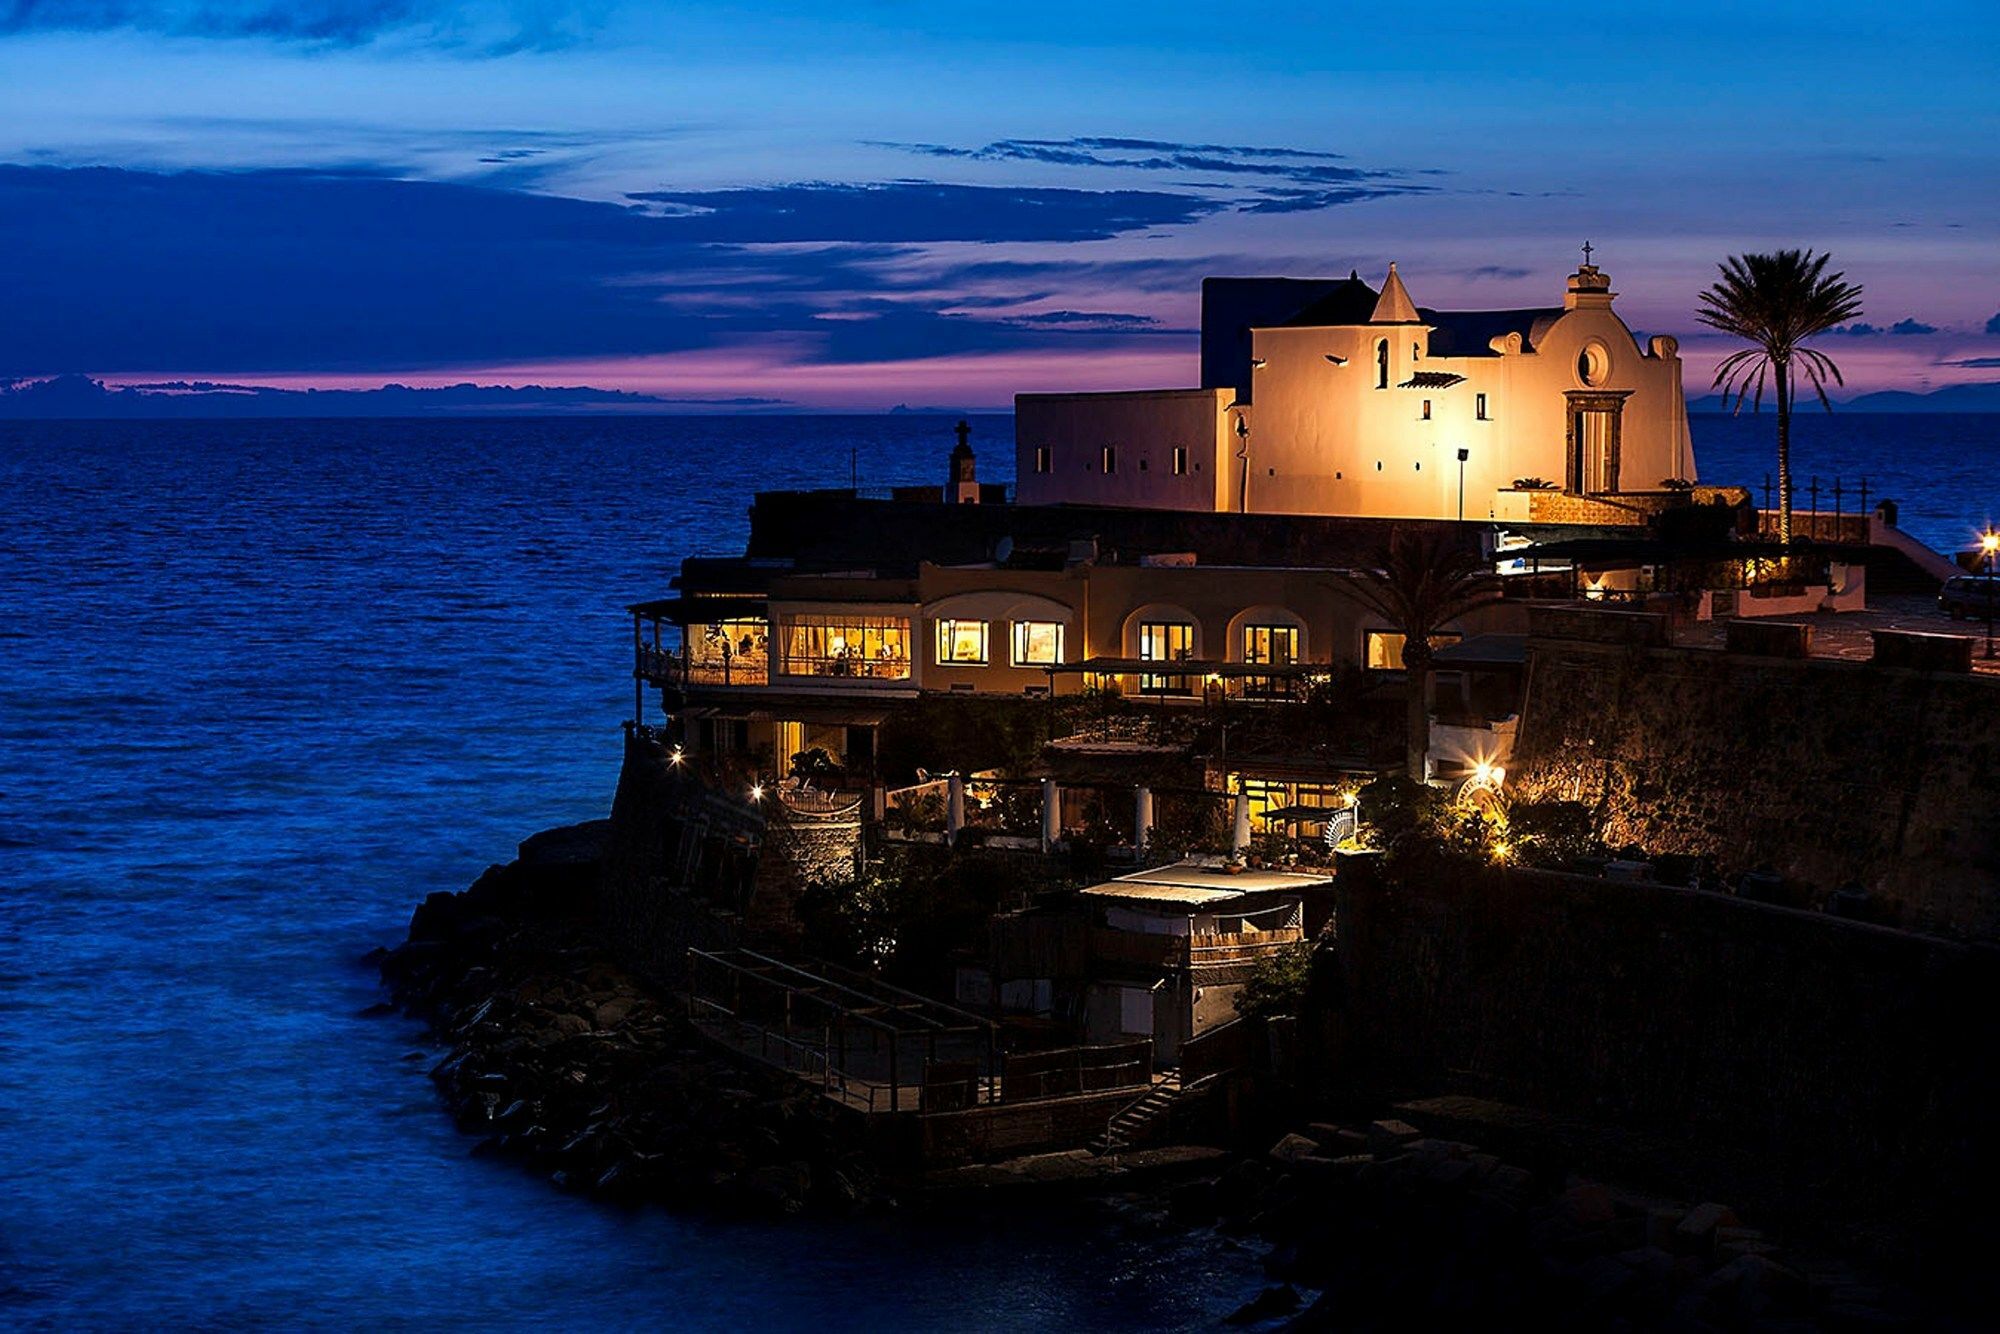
[[1329, 397]]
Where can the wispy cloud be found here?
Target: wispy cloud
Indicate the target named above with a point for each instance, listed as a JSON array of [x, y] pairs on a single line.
[[1903, 328], [1311, 179], [913, 211], [491, 27], [232, 273]]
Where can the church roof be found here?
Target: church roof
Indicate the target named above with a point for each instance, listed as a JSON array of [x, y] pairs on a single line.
[[1350, 302], [1394, 305], [1467, 333], [1454, 333]]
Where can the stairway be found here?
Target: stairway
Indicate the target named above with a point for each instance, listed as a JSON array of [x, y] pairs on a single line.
[[1135, 1123]]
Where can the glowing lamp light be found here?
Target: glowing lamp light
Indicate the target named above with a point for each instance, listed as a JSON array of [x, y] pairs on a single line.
[[756, 792], [1989, 542], [676, 756], [1502, 850]]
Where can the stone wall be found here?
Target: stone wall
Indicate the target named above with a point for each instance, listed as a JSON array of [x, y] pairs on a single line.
[[1824, 771], [806, 843], [1628, 507], [1845, 1060], [678, 867]]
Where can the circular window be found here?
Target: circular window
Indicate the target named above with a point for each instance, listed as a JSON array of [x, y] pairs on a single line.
[[1593, 364]]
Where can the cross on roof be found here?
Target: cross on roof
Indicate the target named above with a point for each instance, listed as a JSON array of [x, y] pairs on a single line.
[[1587, 248]]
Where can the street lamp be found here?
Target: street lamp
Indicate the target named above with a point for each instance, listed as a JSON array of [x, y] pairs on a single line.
[[1989, 544], [1243, 454], [1463, 455]]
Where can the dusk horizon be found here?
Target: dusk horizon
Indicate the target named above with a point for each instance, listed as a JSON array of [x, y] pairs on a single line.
[[345, 196], [1104, 669]]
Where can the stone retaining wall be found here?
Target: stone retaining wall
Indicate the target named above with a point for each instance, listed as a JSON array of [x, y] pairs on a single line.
[[1848, 1060], [1824, 771]]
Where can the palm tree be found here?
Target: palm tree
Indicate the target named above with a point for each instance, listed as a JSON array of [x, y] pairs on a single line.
[[1427, 578], [1776, 302]]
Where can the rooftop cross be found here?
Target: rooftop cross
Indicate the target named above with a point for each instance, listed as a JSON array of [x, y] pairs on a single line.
[[1587, 248]]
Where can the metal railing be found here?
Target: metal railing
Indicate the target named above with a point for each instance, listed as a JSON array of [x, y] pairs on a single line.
[[667, 667]]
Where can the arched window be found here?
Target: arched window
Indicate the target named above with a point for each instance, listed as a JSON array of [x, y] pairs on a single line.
[[1382, 364]]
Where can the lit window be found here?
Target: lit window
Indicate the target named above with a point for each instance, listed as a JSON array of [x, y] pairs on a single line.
[[1038, 643], [1427, 409], [1165, 641], [1272, 645], [846, 645], [1108, 461], [1385, 648], [1479, 407], [1180, 460], [961, 643], [1041, 458]]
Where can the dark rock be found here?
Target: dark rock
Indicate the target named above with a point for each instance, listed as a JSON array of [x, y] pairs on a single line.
[[1279, 1299]]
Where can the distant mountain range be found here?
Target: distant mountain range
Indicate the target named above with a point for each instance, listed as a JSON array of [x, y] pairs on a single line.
[[79, 396], [1952, 398]]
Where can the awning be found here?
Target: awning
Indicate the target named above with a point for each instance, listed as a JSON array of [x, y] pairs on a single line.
[[1191, 667], [704, 609], [852, 715], [1484, 651]]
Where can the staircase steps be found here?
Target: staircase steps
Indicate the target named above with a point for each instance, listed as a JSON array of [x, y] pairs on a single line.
[[1133, 1124]]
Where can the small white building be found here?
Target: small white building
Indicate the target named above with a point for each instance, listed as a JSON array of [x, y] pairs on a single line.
[[1330, 397], [1169, 949]]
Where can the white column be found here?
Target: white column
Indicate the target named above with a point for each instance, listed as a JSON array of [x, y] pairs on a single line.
[[1241, 842], [954, 806], [1142, 818], [1051, 814]]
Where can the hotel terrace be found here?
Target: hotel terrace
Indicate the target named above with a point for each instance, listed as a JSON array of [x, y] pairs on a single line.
[[1198, 549]]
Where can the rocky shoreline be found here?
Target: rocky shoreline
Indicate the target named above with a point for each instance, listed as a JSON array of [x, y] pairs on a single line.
[[1396, 1230], [562, 1060]]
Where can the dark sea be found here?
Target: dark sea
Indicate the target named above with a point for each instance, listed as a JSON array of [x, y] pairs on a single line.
[[263, 686]]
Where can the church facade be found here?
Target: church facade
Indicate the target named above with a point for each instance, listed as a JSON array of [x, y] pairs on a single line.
[[1336, 398]]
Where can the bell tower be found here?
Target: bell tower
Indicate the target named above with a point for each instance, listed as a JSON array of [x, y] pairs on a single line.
[[962, 488]]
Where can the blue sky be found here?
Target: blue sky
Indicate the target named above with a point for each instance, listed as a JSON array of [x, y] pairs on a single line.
[[887, 203]]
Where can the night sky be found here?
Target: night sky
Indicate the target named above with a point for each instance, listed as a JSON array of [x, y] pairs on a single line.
[[865, 204]]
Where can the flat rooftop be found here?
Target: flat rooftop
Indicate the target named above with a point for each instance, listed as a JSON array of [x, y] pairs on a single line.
[[1200, 884]]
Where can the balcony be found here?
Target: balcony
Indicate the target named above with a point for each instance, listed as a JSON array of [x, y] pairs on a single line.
[[677, 669]]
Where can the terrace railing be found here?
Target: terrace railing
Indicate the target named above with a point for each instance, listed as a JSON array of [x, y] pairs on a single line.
[[670, 667]]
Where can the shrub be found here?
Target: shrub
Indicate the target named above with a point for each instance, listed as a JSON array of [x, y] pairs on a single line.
[[1553, 833], [1277, 985]]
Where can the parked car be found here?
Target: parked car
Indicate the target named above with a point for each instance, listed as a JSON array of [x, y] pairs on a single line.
[[1966, 595]]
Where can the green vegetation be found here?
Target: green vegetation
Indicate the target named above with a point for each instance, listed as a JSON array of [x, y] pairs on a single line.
[[1425, 579], [1278, 984]]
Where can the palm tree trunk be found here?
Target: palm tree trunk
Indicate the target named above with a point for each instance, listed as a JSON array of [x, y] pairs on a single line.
[[1417, 668], [1782, 378]]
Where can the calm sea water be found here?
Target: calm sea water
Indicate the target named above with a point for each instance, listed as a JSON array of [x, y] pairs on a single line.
[[263, 686]]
